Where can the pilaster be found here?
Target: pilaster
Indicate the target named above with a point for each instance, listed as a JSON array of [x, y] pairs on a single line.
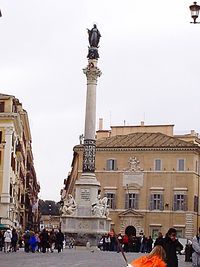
[[5, 196]]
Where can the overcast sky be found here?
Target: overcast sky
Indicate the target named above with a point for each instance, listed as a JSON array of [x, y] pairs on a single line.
[[149, 57]]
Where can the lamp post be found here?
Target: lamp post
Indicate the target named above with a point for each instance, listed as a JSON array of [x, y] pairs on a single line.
[[49, 215], [194, 12]]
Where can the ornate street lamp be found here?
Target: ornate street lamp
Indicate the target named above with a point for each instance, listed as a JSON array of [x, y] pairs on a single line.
[[194, 12]]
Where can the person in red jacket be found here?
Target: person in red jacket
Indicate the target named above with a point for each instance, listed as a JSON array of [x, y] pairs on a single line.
[[156, 258]]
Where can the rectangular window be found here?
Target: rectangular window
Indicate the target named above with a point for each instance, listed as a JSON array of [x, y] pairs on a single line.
[[156, 201], [180, 232], [181, 165], [131, 201], [111, 200], [111, 165], [2, 106], [180, 202], [196, 203], [157, 164], [154, 232]]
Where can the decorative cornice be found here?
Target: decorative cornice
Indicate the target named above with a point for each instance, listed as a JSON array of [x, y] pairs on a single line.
[[143, 149]]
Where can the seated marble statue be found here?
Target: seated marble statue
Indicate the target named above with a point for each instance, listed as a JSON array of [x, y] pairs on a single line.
[[100, 208], [69, 206]]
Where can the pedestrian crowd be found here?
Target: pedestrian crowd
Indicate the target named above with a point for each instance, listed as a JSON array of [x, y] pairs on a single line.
[[131, 243], [161, 253], [44, 241]]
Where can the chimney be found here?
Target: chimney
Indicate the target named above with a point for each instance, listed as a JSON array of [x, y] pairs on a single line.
[[142, 123], [100, 124]]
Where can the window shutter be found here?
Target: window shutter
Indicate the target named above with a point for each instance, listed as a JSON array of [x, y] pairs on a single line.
[[151, 202], [115, 164], [136, 201], [161, 202], [107, 164], [175, 202], [185, 203], [114, 201], [126, 201]]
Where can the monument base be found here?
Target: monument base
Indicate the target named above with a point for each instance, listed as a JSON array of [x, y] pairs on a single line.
[[85, 229]]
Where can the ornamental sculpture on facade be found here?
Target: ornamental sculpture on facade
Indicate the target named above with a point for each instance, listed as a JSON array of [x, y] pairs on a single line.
[[101, 207], [133, 165]]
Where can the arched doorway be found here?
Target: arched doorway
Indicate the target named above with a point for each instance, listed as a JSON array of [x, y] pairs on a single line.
[[130, 230]]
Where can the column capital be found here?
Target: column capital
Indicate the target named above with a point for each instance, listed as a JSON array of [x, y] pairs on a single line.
[[91, 71]]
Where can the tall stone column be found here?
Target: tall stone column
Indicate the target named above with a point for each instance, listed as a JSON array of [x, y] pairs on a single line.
[[92, 73], [86, 217], [87, 186]]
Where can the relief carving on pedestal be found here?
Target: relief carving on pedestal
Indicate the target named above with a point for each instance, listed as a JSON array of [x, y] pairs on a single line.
[[89, 155]]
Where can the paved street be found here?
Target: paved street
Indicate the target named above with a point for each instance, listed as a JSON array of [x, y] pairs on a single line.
[[79, 257]]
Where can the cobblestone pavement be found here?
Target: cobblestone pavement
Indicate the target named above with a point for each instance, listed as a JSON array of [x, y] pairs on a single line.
[[79, 257]]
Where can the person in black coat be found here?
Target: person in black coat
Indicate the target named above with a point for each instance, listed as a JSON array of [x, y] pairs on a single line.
[[159, 239], [44, 239], [59, 240], [171, 245]]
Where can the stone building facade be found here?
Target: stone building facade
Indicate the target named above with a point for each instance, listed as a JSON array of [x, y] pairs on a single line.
[[49, 215], [19, 187], [150, 176]]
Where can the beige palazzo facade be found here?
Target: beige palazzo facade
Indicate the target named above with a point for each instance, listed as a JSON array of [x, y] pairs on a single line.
[[150, 176], [19, 187]]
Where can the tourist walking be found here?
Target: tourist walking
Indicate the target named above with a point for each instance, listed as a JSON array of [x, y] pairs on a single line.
[[171, 246], [107, 242], [125, 242], [7, 240], [1, 240], [14, 240], [149, 244], [32, 242], [26, 238], [59, 240], [159, 239], [44, 239], [143, 244], [196, 248], [52, 240]]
